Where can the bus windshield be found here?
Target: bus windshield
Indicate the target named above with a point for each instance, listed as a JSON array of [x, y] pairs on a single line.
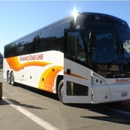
[[124, 37], [111, 54], [105, 42]]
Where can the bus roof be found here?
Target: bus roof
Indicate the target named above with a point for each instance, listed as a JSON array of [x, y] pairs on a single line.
[[88, 15]]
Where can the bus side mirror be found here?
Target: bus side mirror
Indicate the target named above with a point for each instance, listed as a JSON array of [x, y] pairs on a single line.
[[92, 40]]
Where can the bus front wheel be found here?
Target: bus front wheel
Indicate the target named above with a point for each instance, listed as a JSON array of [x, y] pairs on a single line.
[[61, 90]]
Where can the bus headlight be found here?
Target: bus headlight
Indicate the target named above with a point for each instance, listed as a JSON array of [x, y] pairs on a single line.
[[98, 80]]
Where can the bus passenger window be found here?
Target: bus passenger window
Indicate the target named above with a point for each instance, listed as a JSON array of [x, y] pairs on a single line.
[[45, 40], [75, 46], [79, 48]]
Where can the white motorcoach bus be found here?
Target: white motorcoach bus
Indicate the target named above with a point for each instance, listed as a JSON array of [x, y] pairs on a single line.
[[83, 60]]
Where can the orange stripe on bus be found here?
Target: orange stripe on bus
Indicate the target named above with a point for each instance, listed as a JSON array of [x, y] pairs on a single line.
[[75, 75], [16, 65], [48, 77]]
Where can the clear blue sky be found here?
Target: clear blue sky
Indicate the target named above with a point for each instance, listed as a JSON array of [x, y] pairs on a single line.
[[20, 18]]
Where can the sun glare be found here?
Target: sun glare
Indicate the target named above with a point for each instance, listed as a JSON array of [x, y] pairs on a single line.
[[74, 13]]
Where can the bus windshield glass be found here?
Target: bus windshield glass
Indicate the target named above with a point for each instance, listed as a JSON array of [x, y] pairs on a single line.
[[124, 37], [110, 48], [105, 42]]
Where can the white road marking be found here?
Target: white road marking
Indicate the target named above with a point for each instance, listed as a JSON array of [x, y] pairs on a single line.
[[116, 110], [31, 116]]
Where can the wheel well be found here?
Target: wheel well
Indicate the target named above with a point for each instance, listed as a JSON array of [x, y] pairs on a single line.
[[59, 78]]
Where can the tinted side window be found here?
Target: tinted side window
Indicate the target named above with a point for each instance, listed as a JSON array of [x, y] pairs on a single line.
[[58, 38], [32, 43], [75, 47], [45, 40], [22, 47], [10, 50]]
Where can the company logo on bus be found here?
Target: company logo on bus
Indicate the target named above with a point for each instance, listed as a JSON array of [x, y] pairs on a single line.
[[31, 57], [122, 80]]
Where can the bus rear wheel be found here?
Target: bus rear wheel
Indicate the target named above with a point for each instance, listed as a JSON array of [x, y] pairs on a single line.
[[12, 79], [61, 90], [8, 77]]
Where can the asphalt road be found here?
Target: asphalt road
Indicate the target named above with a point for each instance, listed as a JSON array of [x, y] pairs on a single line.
[[24, 107]]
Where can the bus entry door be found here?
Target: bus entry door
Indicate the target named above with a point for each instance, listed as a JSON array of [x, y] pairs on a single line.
[[77, 77]]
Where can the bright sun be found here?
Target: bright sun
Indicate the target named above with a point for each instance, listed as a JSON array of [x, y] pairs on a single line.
[[74, 13]]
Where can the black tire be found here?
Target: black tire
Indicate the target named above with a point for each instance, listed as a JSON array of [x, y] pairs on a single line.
[[12, 79], [8, 77], [61, 91]]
